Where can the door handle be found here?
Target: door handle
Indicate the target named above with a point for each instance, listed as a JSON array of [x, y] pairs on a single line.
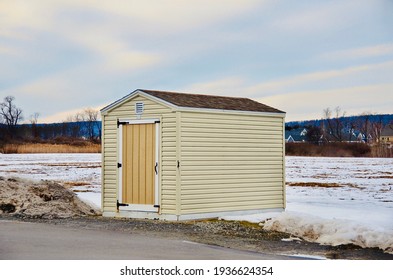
[[155, 168]]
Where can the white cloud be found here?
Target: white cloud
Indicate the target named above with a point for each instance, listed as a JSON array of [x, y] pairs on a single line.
[[356, 53], [319, 17], [315, 79], [106, 28], [174, 15], [111, 53], [225, 86], [8, 51], [64, 115], [355, 89], [163, 15], [17, 17], [130, 60], [304, 105]]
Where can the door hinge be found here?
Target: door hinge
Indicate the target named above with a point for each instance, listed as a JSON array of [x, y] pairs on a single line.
[[120, 123], [156, 206], [118, 204], [157, 122], [118, 165]]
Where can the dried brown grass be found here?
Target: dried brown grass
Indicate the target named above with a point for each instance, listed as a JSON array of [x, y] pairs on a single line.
[[320, 185], [39, 148], [336, 149]]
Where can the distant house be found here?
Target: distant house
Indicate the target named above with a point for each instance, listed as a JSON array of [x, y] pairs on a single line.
[[289, 138], [349, 136], [295, 135], [387, 135]]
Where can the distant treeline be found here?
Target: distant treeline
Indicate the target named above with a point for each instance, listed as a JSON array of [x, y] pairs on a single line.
[[365, 128], [87, 130], [339, 136], [81, 126], [385, 118]]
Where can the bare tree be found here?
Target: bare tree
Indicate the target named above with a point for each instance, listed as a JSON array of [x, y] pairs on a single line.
[[84, 123], [33, 122], [364, 125], [314, 134], [91, 118], [34, 118], [376, 128], [10, 114], [335, 126], [75, 125]]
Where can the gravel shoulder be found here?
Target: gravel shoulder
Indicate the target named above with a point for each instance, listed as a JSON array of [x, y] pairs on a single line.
[[228, 234]]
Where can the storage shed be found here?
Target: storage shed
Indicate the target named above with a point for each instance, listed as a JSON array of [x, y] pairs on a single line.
[[179, 156]]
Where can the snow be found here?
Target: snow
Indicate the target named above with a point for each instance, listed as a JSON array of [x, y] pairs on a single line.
[[354, 206], [329, 200]]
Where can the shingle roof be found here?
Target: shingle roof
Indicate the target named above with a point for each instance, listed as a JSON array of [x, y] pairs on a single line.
[[211, 101], [387, 131]]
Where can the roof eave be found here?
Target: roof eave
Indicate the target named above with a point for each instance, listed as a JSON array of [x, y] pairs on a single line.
[[117, 102], [124, 99], [191, 109]]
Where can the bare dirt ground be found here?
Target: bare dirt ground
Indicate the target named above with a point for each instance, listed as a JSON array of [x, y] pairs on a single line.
[[45, 199], [52, 203]]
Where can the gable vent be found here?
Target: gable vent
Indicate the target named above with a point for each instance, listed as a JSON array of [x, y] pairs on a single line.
[[139, 106]]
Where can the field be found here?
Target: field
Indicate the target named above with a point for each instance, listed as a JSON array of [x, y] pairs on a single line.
[[34, 148], [329, 200]]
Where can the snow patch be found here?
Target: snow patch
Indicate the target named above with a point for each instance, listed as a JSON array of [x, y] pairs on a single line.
[[331, 231]]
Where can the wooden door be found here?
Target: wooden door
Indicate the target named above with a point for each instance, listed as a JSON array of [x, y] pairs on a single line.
[[138, 155]]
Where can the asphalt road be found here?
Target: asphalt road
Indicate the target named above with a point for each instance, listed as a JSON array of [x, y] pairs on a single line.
[[36, 241]]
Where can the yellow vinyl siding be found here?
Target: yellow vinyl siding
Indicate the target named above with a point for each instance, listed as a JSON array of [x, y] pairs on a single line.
[[167, 161], [231, 162]]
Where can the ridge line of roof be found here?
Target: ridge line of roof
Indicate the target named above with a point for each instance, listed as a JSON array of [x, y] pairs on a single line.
[[188, 93]]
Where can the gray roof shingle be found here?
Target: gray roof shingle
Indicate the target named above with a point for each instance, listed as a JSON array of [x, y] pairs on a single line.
[[203, 101], [387, 131]]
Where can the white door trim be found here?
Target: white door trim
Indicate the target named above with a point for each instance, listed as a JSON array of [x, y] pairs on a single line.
[[130, 121], [138, 207]]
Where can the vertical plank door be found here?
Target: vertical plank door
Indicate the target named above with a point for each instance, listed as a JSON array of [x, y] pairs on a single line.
[[138, 163]]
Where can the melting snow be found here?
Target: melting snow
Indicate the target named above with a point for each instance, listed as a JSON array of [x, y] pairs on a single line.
[[354, 206]]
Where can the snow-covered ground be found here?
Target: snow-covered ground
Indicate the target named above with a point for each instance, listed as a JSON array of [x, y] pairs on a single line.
[[336, 201], [329, 200]]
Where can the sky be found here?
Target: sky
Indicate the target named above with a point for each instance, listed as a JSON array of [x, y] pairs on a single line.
[[60, 57]]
